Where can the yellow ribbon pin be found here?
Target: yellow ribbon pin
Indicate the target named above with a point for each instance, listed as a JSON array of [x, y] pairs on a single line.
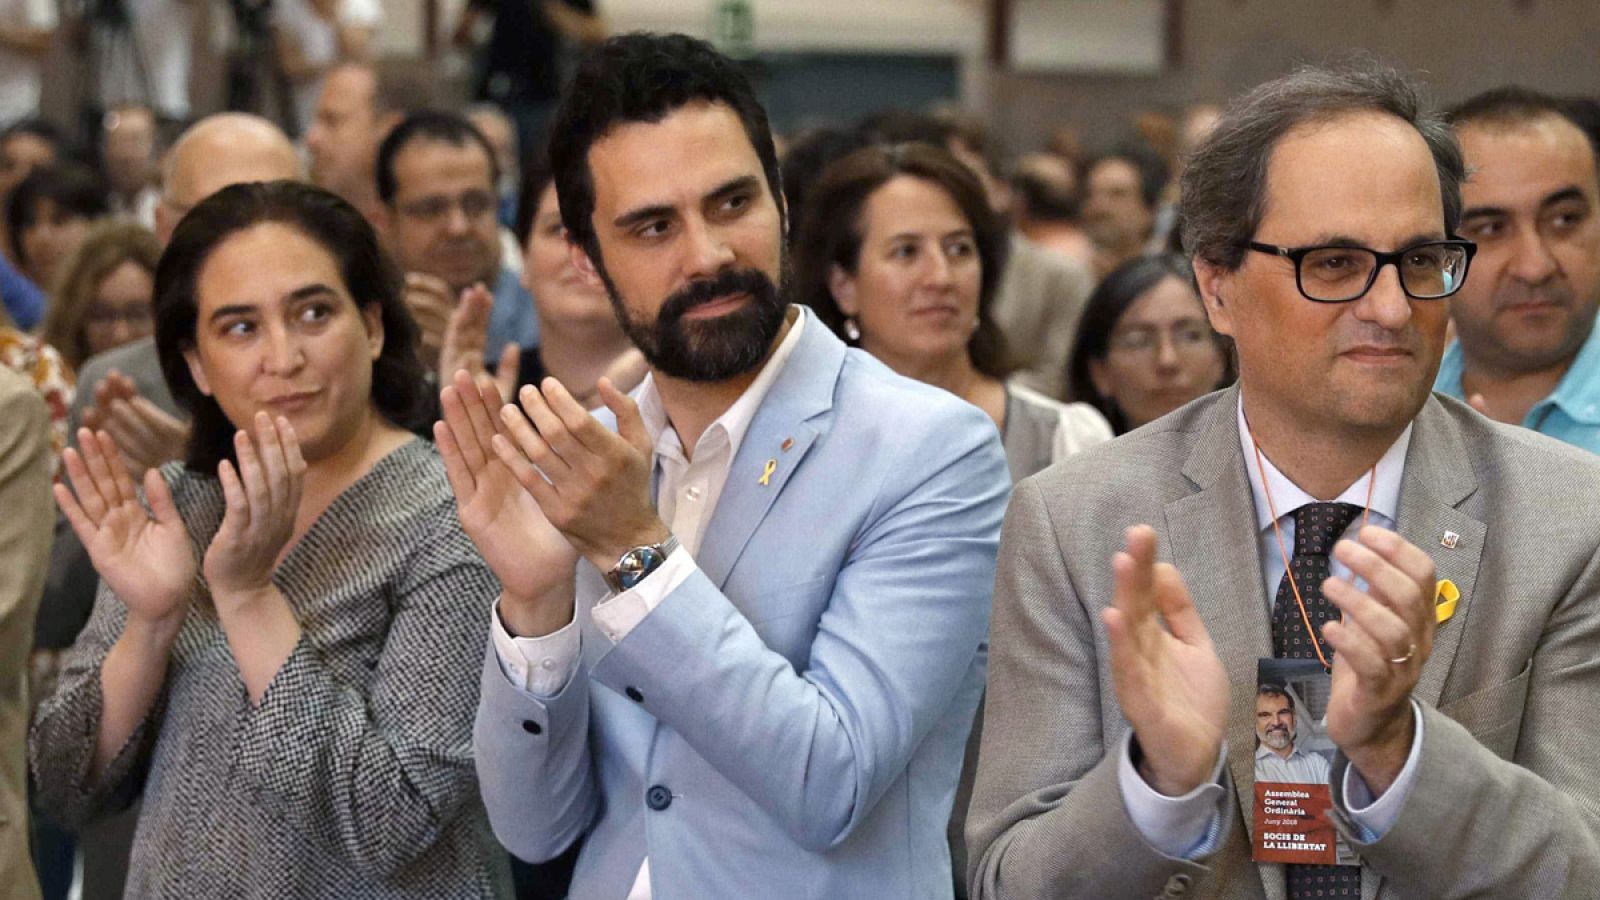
[[766, 474], [1445, 600]]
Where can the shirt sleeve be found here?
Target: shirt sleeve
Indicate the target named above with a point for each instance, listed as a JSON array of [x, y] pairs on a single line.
[[1375, 816], [1186, 827], [541, 666], [621, 613]]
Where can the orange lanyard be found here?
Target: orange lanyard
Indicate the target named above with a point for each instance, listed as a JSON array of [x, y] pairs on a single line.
[[1288, 571]]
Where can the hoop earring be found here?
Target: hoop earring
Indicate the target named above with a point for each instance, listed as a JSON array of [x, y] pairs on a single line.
[[852, 331]]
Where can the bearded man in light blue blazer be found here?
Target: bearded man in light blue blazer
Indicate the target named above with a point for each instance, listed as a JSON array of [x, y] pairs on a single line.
[[741, 638]]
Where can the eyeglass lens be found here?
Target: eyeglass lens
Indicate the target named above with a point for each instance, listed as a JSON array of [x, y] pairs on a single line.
[[1344, 273]]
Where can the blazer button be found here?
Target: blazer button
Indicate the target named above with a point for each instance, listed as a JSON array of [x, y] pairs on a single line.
[[633, 694], [530, 726], [1177, 886], [658, 797]]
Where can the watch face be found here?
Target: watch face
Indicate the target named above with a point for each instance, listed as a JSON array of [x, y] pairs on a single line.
[[636, 564]]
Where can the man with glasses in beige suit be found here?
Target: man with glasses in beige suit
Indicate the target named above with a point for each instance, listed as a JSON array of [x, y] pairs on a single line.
[[1443, 567]]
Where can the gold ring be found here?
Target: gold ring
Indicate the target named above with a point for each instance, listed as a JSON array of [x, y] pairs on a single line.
[[1411, 653]]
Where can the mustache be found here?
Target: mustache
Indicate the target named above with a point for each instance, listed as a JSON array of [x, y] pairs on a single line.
[[1517, 294], [726, 283]]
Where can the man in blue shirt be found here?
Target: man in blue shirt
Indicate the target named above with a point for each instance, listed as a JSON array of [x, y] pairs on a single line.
[[1527, 351], [437, 179]]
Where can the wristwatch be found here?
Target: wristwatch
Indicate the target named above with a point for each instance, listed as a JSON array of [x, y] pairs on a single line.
[[638, 563]]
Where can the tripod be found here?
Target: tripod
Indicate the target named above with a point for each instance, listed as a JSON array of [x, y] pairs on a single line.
[[255, 73], [112, 45]]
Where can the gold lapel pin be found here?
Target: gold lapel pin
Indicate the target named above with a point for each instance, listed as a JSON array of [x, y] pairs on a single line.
[[1450, 540], [766, 474]]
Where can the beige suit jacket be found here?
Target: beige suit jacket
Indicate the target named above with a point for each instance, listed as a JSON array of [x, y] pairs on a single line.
[[1506, 801], [27, 515]]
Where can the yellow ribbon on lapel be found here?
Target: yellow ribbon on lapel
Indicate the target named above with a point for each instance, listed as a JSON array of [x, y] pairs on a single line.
[[1445, 599]]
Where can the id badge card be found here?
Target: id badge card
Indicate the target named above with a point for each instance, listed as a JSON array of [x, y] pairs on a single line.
[[1293, 756]]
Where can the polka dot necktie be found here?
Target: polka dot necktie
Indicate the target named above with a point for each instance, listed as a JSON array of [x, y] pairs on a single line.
[[1316, 527]]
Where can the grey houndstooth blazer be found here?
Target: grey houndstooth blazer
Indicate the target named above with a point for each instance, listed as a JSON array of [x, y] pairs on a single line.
[[353, 778], [1506, 801]]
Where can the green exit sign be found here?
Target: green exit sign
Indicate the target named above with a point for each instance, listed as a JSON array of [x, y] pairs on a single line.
[[733, 27]]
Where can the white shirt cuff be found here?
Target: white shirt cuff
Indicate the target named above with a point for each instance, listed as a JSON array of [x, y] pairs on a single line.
[[619, 614], [1186, 827], [538, 665], [1375, 816]]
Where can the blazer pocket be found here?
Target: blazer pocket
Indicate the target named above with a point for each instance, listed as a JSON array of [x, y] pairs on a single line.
[[1494, 714]]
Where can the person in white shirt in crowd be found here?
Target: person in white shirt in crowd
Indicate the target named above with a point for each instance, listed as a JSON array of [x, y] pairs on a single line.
[[26, 30], [313, 36]]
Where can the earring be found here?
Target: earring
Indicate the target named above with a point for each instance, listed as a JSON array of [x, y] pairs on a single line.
[[852, 331]]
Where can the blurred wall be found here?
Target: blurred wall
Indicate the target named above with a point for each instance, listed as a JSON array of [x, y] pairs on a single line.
[[1458, 46]]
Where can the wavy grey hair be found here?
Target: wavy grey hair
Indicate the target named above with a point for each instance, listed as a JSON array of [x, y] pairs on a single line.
[[1224, 187]]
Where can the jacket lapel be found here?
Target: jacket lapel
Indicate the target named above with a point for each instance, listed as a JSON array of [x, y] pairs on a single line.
[[1438, 478], [788, 422], [1212, 539]]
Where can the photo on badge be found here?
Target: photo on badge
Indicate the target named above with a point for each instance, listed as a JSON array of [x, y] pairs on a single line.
[[1293, 756]]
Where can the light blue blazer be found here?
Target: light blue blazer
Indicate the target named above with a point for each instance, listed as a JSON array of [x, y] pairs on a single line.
[[789, 723]]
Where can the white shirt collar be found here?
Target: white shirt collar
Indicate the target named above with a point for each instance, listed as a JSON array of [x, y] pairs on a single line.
[[1288, 497], [735, 421]]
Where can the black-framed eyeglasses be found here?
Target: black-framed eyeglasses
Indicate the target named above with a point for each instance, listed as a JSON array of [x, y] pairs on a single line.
[[1430, 270]]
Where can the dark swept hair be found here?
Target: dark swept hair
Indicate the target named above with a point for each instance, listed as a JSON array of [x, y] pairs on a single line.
[[399, 385], [1225, 180], [74, 188], [1105, 308], [643, 77], [832, 233], [428, 125], [1152, 169], [1512, 105]]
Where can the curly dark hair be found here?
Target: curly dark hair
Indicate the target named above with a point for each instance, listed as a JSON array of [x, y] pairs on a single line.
[[400, 388]]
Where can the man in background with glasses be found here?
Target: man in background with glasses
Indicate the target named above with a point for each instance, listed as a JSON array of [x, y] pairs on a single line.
[[438, 180], [1443, 567], [1527, 351]]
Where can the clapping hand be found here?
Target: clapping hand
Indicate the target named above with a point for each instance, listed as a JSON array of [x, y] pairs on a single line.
[[534, 562], [263, 501], [465, 337], [1380, 644], [591, 482], [431, 302], [1169, 681], [147, 435], [144, 557]]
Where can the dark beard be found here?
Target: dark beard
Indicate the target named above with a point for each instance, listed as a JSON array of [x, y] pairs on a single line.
[[714, 349]]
